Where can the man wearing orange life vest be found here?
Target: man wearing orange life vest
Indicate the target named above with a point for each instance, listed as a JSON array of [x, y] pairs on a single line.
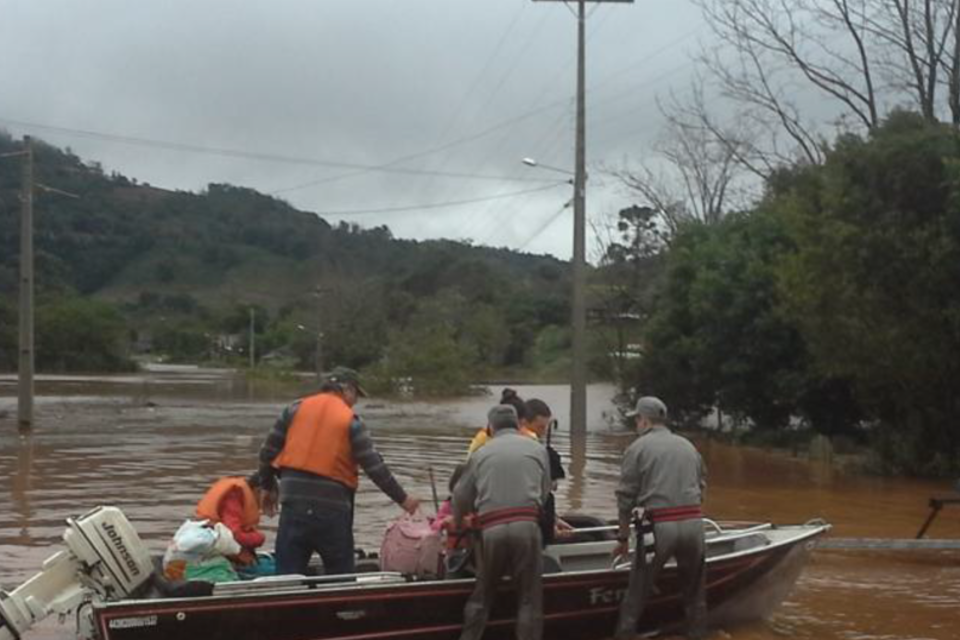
[[317, 447], [235, 501]]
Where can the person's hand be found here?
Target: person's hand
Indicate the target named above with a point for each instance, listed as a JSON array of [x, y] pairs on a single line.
[[268, 502], [410, 505], [621, 550], [563, 529]]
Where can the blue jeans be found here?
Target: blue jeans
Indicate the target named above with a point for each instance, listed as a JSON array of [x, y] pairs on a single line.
[[304, 528]]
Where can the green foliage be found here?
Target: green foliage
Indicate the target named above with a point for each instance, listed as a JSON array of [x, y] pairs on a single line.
[[185, 267], [620, 295], [835, 301], [427, 359], [716, 336], [183, 340], [874, 286], [550, 356], [77, 334]]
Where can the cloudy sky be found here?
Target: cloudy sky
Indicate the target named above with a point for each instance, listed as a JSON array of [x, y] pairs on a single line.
[[373, 111]]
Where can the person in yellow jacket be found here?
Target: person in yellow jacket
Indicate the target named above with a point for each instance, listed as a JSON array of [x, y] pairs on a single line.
[[532, 426], [317, 447]]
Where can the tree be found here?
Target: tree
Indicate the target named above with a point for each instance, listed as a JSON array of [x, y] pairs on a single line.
[[873, 285], [698, 170], [74, 334], [628, 270], [428, 358], [716, 337], [860, 56]]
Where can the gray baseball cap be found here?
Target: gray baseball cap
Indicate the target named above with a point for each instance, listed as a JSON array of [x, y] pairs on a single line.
[[503, 416], [649, 407], [346, 375]]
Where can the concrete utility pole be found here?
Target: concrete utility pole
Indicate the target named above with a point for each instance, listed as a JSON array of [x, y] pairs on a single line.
[[26, 361], [253, 345], [319, 354], [578, 381]]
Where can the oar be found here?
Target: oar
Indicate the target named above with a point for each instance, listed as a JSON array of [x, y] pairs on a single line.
[[433, 486]]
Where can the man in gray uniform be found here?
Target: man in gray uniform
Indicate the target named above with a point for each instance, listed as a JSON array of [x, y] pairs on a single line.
[[662, 474], [506, 483]]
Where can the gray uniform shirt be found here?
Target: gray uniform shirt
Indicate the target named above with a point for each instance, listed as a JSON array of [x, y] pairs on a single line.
[[660, 469], [510, 471]]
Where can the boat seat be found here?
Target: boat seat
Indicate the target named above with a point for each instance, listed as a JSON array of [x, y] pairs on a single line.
[[304, 583]]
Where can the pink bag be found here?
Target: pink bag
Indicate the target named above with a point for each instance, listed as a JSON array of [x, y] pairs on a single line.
[[412, 547]]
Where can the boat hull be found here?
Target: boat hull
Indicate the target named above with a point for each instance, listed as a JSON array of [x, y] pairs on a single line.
[[741, 585]]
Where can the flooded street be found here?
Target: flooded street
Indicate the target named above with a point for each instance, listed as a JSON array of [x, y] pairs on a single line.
[[152, 443]]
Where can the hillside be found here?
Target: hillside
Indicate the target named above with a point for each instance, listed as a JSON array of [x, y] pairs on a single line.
[[198, 261]]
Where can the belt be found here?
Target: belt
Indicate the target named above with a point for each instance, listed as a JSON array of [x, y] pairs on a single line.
[[674, 514], [505, 516]]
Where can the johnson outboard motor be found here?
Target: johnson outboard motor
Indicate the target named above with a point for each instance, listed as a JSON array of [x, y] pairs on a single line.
[[105, 560]]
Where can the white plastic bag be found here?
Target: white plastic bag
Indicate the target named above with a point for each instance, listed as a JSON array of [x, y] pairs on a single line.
[[195, 537], [192, 542], [225, 544]]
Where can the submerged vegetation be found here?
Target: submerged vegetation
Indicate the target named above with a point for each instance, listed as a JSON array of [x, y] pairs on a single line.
[[833, 304], [130, 270]]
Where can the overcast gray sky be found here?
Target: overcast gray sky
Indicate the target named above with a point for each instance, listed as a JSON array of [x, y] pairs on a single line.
[[465, 87]]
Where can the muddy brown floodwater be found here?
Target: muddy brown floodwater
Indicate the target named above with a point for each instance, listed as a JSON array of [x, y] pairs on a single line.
[[151, 443]]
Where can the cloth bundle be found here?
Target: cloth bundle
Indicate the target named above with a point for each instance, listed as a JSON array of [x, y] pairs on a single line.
[[200, 551]]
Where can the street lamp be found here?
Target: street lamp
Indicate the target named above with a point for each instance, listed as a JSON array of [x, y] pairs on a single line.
[[578, 319], [578, 388], [531, 162]]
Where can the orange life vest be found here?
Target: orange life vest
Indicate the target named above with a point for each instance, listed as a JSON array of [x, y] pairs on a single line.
[[209, 506], [318, 440]]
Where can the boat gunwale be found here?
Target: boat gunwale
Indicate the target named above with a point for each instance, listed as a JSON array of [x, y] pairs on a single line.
[[805, 532]]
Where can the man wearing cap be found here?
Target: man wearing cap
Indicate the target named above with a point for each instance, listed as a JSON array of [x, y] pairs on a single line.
[[317, 447], [663, 475], [506, 483]]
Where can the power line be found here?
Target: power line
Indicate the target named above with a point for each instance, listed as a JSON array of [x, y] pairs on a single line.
[[483, 71], [413, 156], [562, 102], [266, 157], [491, 94], [544, 227], [360, 169], [439, 205], [486, 224]]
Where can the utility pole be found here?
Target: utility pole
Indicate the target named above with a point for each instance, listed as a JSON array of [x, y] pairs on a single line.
[[26, 361], [253, 346], [318, 363], [578, 377]]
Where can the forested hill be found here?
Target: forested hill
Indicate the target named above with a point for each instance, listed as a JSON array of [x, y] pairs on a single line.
[[197, 259], [120, 236]]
